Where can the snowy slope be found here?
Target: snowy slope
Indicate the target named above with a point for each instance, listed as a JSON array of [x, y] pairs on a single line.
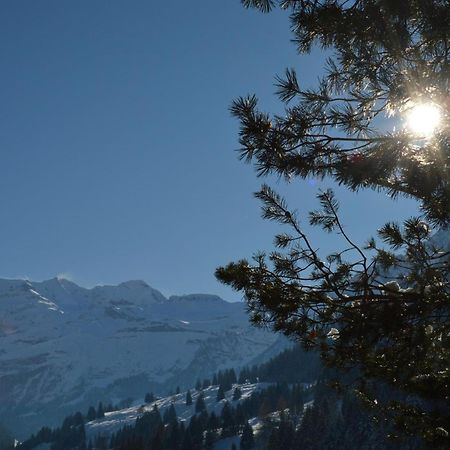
[[64, 347], [115, 420]]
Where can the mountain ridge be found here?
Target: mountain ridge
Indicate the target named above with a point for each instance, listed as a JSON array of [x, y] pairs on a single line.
[[63, 344]]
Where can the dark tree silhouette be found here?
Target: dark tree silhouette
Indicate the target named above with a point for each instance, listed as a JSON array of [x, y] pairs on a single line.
[[200, 404], [188, 398], [220, 394], [383, 308], [247, 440]]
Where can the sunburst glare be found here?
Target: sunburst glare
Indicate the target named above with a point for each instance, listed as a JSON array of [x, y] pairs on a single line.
[[423, 119]]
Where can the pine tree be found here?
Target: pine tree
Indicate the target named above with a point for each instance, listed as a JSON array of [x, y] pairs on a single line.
[[196, 432], [213, 422], [274, 440], [149, 397], [101, 443], [247, 440], [170, 415], [174, 436], [203, 419], [158, 439], [240, 415], [109, 407], [384, 307], [6, 439], [187, 441], [220, 393], [91, 414], [188, 398], [112, 441], [210, 439], [286, 432], [227, 419], [237, 393], [200, 404], [100, 412]]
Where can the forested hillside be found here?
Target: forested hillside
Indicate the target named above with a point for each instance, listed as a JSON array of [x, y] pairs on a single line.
[[285, 404]]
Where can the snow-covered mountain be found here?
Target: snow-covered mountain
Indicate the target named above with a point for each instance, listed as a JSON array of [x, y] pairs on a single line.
[[64, 347]]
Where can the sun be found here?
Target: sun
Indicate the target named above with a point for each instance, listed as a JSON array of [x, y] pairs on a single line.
[[423, 119]]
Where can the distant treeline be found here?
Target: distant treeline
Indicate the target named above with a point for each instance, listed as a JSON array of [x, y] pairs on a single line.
[[289, 366], [332, 420], [153, 432]]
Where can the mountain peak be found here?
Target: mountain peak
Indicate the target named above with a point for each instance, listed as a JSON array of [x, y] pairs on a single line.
[[135, 284], [136, 291], [198, 298]]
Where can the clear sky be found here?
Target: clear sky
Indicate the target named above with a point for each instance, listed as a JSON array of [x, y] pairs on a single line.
[[117, 147]]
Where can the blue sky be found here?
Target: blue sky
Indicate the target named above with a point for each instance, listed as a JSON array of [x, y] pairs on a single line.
[[117, 146]]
